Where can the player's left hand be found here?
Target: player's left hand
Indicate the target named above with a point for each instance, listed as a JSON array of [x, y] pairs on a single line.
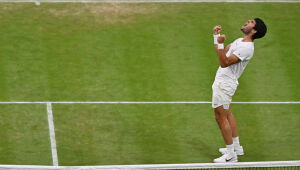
[[221, 38]]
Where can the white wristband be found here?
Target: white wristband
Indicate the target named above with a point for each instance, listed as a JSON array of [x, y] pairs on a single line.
[[216, 38], [220, 46]]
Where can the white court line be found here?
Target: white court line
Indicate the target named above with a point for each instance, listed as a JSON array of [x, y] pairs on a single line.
[[52, 134], [144, 102]]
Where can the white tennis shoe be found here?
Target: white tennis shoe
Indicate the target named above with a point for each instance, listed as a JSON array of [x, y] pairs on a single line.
[[239, 151], [226, 158]]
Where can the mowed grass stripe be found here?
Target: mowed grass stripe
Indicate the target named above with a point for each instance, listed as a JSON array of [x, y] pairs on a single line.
[[138, 48], [288, 53], [182, 56], [21, 54]]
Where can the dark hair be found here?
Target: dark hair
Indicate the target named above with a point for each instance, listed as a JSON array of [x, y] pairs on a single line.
[[260, 28]]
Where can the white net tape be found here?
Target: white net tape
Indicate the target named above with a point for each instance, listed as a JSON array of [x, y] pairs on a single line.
[[295, 164]]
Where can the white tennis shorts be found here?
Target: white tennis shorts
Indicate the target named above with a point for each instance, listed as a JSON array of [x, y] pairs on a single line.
[[222, 93]]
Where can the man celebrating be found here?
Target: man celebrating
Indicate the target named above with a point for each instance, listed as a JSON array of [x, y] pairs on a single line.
[[233, 60]]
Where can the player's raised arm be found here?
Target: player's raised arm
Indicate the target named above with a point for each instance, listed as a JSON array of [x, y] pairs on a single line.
[[223, 59], [217, 30], [219, 46]]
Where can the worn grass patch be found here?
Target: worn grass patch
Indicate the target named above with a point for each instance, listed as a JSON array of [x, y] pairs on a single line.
[[108, 13]]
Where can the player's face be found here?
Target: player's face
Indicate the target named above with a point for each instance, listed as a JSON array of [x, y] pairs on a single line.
[[247, 28]]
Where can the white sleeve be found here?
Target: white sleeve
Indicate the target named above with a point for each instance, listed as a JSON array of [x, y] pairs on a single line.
[[242, 53]]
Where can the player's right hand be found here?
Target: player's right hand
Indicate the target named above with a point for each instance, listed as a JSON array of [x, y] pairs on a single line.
[[217, 29]]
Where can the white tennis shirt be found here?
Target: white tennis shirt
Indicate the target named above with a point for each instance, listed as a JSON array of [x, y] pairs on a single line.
[[244, 51]]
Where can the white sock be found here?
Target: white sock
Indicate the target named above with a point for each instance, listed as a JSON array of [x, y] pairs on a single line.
[[236, 141], [230, 148]]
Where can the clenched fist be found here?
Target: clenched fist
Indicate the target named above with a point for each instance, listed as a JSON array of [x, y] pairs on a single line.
[[217, 29]]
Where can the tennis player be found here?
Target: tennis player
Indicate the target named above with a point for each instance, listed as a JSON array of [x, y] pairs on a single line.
[[233, 60]]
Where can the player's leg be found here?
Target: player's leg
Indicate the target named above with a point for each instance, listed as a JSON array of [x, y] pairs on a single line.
[[221, 115], [221, 118]]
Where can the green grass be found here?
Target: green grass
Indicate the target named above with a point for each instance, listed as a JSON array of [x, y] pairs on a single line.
[[24, 135], [143, 52], [134, 134]]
